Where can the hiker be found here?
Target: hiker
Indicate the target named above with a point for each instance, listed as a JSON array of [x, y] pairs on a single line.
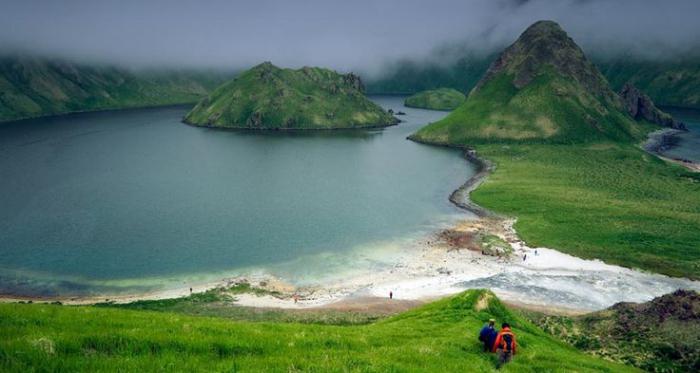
[[505, 345], [524, 257], [488, 334], [391, 294]]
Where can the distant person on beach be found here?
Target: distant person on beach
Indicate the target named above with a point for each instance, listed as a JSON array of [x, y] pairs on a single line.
[[488, 334], [391, 294], [505, 345]]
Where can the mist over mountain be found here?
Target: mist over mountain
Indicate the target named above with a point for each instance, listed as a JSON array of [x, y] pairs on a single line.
[[364, 36]]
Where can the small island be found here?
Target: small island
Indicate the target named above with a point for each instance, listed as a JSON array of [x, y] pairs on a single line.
[[269, 97], [445, 99]]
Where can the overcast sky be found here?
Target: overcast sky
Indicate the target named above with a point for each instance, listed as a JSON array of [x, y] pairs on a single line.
[[356, 35]]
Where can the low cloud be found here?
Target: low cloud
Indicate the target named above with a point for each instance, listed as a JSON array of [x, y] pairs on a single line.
[[359, 35]]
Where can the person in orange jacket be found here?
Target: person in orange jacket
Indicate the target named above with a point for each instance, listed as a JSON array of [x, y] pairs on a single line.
[[505, 344]]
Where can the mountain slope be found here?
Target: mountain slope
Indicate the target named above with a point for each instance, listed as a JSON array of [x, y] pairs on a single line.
[[661, 335], [436, 99], [541, 88], [32, 87], [669, 82], [441, 336], [268, 97]]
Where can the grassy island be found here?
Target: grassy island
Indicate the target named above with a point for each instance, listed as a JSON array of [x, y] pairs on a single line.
[[445, 99]]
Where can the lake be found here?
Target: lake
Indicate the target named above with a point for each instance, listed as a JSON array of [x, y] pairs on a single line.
[[134, 200]]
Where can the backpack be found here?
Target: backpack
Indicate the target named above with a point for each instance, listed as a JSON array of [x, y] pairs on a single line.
[[507, 342]]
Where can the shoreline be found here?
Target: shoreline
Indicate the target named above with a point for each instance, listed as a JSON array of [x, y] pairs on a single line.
[[433, 267], [660, 141]]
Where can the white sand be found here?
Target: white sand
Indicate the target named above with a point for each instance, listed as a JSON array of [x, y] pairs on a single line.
[[547, 278]]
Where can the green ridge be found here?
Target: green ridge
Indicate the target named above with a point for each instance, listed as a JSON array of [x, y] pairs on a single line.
[[440, 336], [34, 87], [437, 99], [268, 97]]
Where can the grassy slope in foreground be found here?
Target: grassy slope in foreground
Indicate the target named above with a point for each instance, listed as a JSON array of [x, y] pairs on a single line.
[[268, 97], [437, 99], [440, 336]]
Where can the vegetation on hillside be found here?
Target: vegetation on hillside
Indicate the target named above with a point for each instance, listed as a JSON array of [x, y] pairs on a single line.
[[662, 335], [408, 77], [567, 164], [673, 81], [33, 87], [669, 82], [436, 99], [268, 97], [440, 336]]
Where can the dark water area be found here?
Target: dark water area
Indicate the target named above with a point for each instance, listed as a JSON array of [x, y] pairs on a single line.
[[688, 146], [134, 199]]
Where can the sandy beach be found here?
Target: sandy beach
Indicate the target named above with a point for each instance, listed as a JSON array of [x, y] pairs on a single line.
[[444, 263]]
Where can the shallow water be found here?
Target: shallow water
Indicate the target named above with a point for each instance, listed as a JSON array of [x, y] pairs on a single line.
[[689, 145], [126, 200]]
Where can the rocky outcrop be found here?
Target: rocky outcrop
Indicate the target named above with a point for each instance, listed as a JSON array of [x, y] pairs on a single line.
[[660, 335], [640, 107]]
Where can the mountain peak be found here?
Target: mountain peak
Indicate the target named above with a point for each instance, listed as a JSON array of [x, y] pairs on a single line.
[[545, 45]]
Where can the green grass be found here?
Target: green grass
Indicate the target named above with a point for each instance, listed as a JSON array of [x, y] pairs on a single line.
[[268, 97], [440, 336], [601, 200], [437, 99]]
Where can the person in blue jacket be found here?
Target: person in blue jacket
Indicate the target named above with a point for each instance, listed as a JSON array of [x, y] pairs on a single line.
[[488, 335]]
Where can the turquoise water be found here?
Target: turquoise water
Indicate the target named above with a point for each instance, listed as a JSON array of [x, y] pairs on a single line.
[[689, 145], [124, 200]]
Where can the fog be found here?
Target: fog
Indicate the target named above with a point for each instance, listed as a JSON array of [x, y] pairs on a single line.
[[360, 35]]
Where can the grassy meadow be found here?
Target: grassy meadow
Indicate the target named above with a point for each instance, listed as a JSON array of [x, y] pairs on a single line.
[[601, 200], [440, 336]]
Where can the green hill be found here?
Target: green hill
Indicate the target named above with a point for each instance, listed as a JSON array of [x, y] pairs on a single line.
[[33, 87], [440, 336], [436, 99], [541, 88], [567, 164], [268, 97]]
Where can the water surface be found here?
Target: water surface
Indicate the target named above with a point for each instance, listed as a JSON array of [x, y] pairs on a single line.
[[113, 201], [689, 144]]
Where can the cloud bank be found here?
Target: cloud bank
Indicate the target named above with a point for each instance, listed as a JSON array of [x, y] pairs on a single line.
[[358, 35]]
